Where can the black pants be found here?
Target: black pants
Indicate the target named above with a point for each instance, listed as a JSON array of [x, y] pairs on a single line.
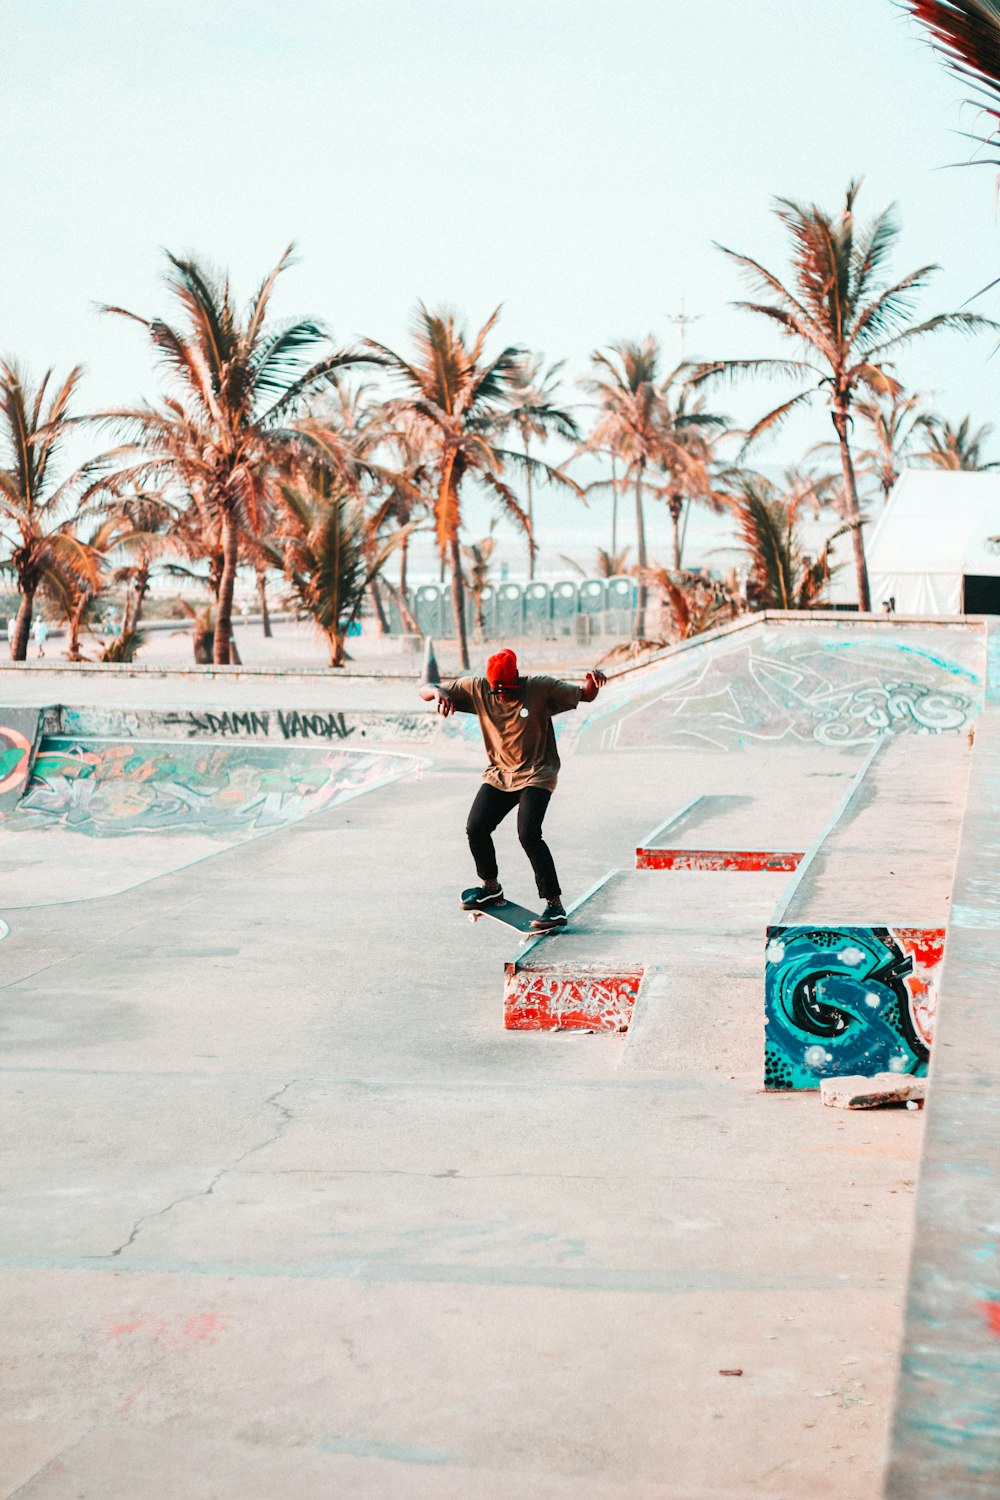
[[489, 809]]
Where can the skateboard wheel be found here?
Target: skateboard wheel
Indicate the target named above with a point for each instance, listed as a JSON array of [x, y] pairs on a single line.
[[474, 916]]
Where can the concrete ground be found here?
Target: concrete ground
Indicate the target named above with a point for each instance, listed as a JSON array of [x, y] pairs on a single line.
[[287, 1212]]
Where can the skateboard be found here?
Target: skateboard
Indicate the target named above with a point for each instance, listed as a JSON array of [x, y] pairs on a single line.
[[512, 915]]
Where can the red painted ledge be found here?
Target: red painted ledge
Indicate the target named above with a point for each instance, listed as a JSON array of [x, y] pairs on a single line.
[[716, 859], [555, 997]]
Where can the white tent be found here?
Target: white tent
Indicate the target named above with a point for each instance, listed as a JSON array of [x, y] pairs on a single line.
[[930, 550]]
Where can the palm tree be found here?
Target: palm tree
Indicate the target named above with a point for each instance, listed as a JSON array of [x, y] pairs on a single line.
[[73, 597], [608, 564], [460, 400], [478, 555], [802, 489], [536, 415], [951, 447], [225, 434], [636, 423], [893, 423], [781, 575], [407, 477], [847, 321], [143, 527], [688, 471], [44, 546], [321, 544], [692, 602]]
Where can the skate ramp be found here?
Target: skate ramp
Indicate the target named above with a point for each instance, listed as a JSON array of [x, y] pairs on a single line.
[[773, 681], [98, 817]]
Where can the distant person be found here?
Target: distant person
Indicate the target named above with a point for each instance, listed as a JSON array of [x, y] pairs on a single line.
[[515, 716], [889, 605], [11, 628], [40, 631]]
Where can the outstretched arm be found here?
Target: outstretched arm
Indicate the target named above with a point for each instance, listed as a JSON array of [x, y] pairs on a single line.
[[431, 693], [595, 681]]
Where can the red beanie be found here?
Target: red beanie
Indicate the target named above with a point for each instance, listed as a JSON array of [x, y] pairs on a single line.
[[501, 669]]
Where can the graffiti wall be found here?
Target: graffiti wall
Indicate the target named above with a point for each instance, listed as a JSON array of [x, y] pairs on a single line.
[[163, 806], [846, 1000], [836, 685], [103, 789], [18, 736], [254, 726]]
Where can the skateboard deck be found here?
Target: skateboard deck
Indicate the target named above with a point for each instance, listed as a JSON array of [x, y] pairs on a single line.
[[511, 915]]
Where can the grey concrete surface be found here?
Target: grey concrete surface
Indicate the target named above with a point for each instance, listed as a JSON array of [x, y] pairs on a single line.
[[897, 838], [287, 1212], [946, 1431]]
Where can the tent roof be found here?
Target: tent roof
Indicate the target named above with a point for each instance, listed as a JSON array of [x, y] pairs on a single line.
[[938, 521]]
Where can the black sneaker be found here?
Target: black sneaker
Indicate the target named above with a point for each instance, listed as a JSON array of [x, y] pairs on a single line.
[[554, 915], [480, 895]]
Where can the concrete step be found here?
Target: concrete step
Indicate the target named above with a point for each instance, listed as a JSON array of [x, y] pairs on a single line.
[[591, 976]]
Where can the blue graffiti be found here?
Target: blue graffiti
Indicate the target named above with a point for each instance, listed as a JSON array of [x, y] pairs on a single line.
[[836, 1003]]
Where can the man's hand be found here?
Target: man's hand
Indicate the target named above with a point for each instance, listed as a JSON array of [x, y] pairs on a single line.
[[431, 693], [595, 681]]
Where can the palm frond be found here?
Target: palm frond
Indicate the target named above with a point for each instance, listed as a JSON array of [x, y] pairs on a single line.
[[967, 34]]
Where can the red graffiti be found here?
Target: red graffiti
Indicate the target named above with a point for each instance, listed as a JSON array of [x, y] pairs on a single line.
[[564, 1000], [925, 943], [716, 859], [201, 1328], [991, 1312], [15, 751]]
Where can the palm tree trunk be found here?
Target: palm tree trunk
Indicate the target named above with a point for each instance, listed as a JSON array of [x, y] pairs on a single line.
[[531, 516], [134, 612], [458, 601], [640, 535], [676, 505], [336, 648], [265, 618], [381, 623], [404, 558], [614, 507], [22, 630], [75, 626], [853, 511], [227, 582]]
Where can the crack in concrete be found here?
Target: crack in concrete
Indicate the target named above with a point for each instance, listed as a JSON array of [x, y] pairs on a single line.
[[51, 1464], [285, 1118], [452, 1175]]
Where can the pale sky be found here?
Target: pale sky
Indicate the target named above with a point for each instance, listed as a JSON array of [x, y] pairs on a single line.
[[572, 159]]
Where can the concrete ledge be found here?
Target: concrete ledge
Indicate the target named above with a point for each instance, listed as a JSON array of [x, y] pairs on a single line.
[[747, 860], [945, 1442], [249, 726], [553, 997], [727, 826], [843, 1000]]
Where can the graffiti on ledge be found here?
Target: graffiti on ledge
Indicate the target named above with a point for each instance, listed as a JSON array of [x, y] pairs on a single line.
[[562, 1000], [292, 726], [846, 1000]]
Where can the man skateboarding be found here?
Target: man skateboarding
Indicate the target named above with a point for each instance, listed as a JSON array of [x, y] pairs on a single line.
[[515, 716]]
